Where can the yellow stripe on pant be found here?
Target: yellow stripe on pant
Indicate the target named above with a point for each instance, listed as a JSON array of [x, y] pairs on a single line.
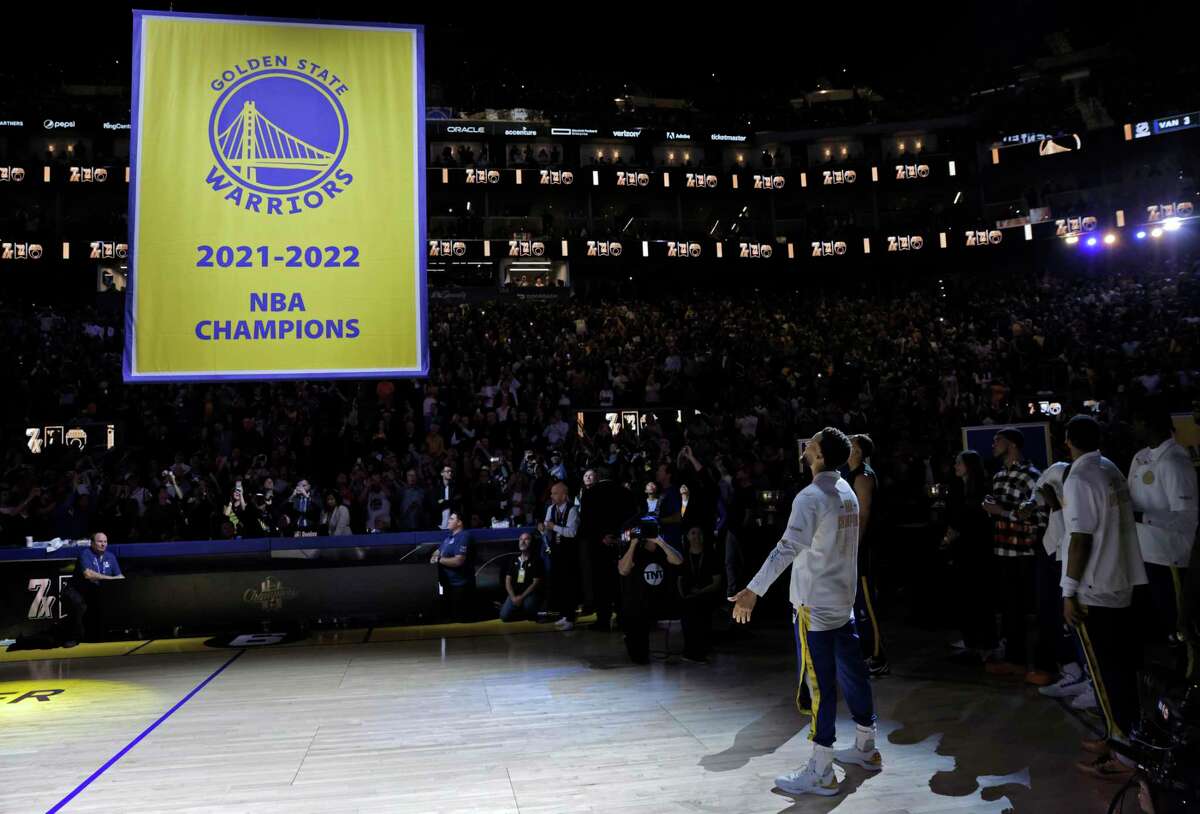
[[871, 615], [802, 672], [803, 622], [1180, 627], [1089, 653]]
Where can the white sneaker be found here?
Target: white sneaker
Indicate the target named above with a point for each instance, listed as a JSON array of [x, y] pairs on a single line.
[[564, 624], [1085, 699], [1069, 686], [959, 645], [869, 759], [807, 781]]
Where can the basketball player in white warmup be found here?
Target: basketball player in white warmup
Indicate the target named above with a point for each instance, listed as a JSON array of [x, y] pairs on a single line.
[[821, 545]]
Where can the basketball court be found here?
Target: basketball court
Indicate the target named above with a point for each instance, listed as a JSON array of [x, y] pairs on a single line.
[[502, 719]]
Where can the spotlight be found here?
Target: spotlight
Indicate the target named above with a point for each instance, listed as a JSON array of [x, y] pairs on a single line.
[[1141, 235], [1072, 240], [1171, 224], [1110, 239], [1091, 241], [1156, 232]]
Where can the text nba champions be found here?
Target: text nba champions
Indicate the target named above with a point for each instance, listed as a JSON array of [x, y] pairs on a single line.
[[287, 322]]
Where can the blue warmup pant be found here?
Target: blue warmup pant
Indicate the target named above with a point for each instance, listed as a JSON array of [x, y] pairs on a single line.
[[830, 659]]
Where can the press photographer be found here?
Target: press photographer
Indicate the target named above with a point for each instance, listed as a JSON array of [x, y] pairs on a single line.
[[644, 584]]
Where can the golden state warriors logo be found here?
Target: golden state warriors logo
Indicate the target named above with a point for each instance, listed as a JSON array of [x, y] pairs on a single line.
[[278, 135]]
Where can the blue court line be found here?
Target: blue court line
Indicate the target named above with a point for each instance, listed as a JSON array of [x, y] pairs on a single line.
[[141, 737]]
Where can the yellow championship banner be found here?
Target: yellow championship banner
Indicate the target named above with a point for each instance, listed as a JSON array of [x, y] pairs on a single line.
[[277, 200]]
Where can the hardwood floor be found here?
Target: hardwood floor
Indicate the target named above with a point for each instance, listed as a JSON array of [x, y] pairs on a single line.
[[365, 721]]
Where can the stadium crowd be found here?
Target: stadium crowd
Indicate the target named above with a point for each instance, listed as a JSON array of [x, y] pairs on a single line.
[[498, 411]]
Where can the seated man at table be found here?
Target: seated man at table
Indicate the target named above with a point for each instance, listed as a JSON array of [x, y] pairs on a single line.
[[523, 581], [95, 566]]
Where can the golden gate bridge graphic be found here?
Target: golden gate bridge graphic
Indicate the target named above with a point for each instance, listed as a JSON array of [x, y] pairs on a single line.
[[252, 142]]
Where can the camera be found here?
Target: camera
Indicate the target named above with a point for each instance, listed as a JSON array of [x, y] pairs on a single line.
[[646, 528], [1165, 743]]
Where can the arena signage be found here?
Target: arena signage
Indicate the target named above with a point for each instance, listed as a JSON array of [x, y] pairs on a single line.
[[682, 249], [1182, 121], [88, 175], [14, 174], [483, 176], [447, 248], [107, 250], [39, 439], [604, 248], [906, 172], [1064, 227], [984, 237], [828, 248], [1046, 408], [632, 179], [838, 177], [557, 178], [277, 205], [1159, 212], [20, 251], [699, 180], [526, 248], [769, 182], [905, 243], [1016, 139], [756, 251]]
